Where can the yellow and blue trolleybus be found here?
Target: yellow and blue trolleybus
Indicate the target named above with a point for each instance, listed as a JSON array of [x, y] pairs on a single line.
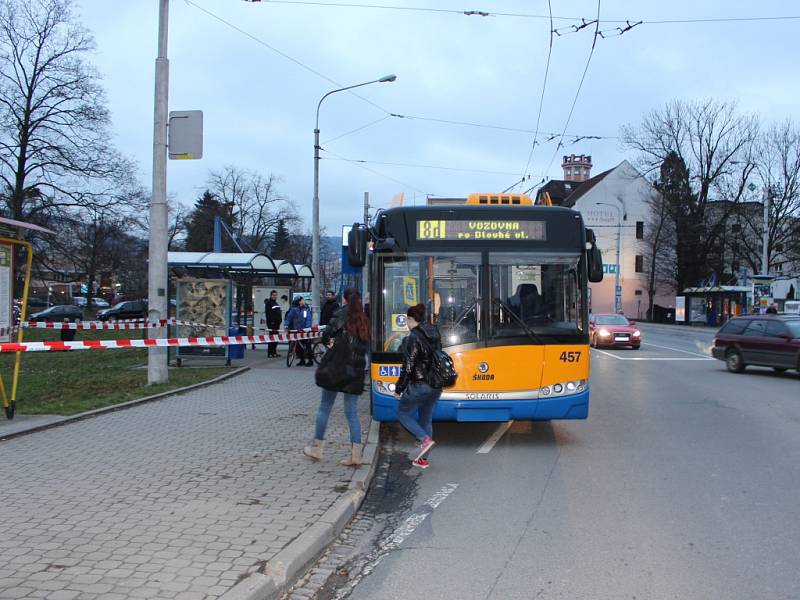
[[505, 281]]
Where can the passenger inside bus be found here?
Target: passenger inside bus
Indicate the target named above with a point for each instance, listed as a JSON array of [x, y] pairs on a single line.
[[526, 301]]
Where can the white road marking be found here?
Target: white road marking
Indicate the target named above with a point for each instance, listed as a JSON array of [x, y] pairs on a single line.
[[662, 358], [607, 354], [397, 537], [675, 349], [487, 446]]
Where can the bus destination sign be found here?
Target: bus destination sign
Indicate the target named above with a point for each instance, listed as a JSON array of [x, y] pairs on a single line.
[[480, 229]]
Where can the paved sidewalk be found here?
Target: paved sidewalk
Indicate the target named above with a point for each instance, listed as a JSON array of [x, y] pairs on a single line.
[[177, 499]]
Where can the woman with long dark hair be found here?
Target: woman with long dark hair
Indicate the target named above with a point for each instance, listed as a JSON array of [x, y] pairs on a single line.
[[342, 370]]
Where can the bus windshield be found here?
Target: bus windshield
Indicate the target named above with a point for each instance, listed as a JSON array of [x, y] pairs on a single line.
[[534, 296], [448, 286], [476, 298]]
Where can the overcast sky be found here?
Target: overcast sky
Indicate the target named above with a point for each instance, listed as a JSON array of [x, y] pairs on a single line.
[[259, 106]]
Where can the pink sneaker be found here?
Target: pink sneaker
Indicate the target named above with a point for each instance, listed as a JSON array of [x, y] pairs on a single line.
[[422, 463], [421, 448]]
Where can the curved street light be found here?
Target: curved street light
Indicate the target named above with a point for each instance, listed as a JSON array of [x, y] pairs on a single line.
[[315, 241]]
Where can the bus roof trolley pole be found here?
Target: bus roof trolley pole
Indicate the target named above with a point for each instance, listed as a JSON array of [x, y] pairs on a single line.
[[7, 243]]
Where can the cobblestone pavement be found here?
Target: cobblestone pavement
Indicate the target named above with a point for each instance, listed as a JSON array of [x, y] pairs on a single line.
[[357, 549], [176, 499]]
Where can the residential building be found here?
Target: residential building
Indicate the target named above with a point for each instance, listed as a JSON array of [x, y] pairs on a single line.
[[614, 204]]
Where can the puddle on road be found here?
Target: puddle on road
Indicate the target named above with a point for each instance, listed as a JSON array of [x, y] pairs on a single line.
[[391, 496]]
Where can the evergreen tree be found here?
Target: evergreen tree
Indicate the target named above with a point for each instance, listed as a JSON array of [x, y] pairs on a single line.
[[673, 183], [281, 241], [200, 224]]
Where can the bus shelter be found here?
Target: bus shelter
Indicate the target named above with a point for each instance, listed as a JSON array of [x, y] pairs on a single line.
[[223, 293], [714, 305], [12, 233]]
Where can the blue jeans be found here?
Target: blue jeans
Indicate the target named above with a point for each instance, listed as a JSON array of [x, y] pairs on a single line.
[[350, 411], [422, 397]]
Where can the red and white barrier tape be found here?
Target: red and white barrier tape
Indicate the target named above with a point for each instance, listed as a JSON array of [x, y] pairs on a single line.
[[158, 342], [128, 324]]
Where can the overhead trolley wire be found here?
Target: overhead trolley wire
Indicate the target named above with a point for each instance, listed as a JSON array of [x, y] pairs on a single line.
[[283, 54], [421, 166], [541, 98], [374, 172], [580, 86], [487, 13]]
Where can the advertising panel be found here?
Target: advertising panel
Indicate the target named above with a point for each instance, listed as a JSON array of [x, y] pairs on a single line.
[[205, 301]]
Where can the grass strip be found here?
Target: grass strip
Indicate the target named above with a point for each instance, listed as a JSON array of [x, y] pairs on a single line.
[[67, 383]]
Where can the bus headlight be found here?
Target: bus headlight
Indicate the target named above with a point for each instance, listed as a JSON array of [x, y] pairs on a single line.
[[564, 388]]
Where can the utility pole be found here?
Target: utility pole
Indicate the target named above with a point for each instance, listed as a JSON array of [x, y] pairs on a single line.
[[765, 235], [365, 268], [157, 371]]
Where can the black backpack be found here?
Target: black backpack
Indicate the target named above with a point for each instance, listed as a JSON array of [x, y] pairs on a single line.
[[443, 372]]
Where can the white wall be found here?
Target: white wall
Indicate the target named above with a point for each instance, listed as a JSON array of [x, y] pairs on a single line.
[[626, 188]]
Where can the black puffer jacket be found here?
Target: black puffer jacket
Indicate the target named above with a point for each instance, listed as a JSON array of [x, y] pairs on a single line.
[[418, 350], [356, 362]]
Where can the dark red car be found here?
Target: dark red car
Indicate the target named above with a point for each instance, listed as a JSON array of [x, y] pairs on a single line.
[[762, 340], [613, 330]]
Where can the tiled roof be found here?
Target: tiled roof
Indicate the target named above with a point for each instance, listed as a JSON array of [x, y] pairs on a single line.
[[585, 187]]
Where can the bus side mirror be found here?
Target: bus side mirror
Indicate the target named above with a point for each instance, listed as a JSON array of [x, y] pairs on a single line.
[[595, 263], [594, 259], [357, 245]]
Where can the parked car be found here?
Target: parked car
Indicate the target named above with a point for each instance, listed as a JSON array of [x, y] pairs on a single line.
[[760, 340], [59, 313], [96, 302], [130, 309], [34, 302], [613, 330]]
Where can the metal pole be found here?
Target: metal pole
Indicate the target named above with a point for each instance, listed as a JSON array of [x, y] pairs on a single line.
[[765, 236], [315, 243], [617, 291], [315, 229], [157, 262], [365, 268]]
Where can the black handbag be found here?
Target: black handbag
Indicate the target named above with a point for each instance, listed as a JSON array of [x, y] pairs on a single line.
[[333, 372]]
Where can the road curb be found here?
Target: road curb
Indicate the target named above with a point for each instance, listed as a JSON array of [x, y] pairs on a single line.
[[290, 563], [122, 406]]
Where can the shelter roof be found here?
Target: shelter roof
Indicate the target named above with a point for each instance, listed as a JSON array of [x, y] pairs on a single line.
[[253, 263], [23, 225]]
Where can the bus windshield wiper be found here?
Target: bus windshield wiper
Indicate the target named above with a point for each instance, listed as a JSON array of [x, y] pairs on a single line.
[[524, 325]]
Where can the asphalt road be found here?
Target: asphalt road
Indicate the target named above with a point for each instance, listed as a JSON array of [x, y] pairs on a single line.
[[683, 483]]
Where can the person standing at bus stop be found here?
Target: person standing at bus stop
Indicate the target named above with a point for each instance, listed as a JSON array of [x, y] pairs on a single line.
[[413, 389], [298, 318], [272, 310], [329, 308], [342, 370]]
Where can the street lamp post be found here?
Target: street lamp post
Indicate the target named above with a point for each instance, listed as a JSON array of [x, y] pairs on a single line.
[[157, 252], [617, 290], [315, 241]]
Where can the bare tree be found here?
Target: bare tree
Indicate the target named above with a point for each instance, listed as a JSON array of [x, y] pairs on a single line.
[[716, 146], [257, 206], [54, 125], [778, 172]]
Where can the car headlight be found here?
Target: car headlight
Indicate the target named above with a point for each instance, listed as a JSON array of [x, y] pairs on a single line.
[[564, 388], [637, 333], [604, 333]]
